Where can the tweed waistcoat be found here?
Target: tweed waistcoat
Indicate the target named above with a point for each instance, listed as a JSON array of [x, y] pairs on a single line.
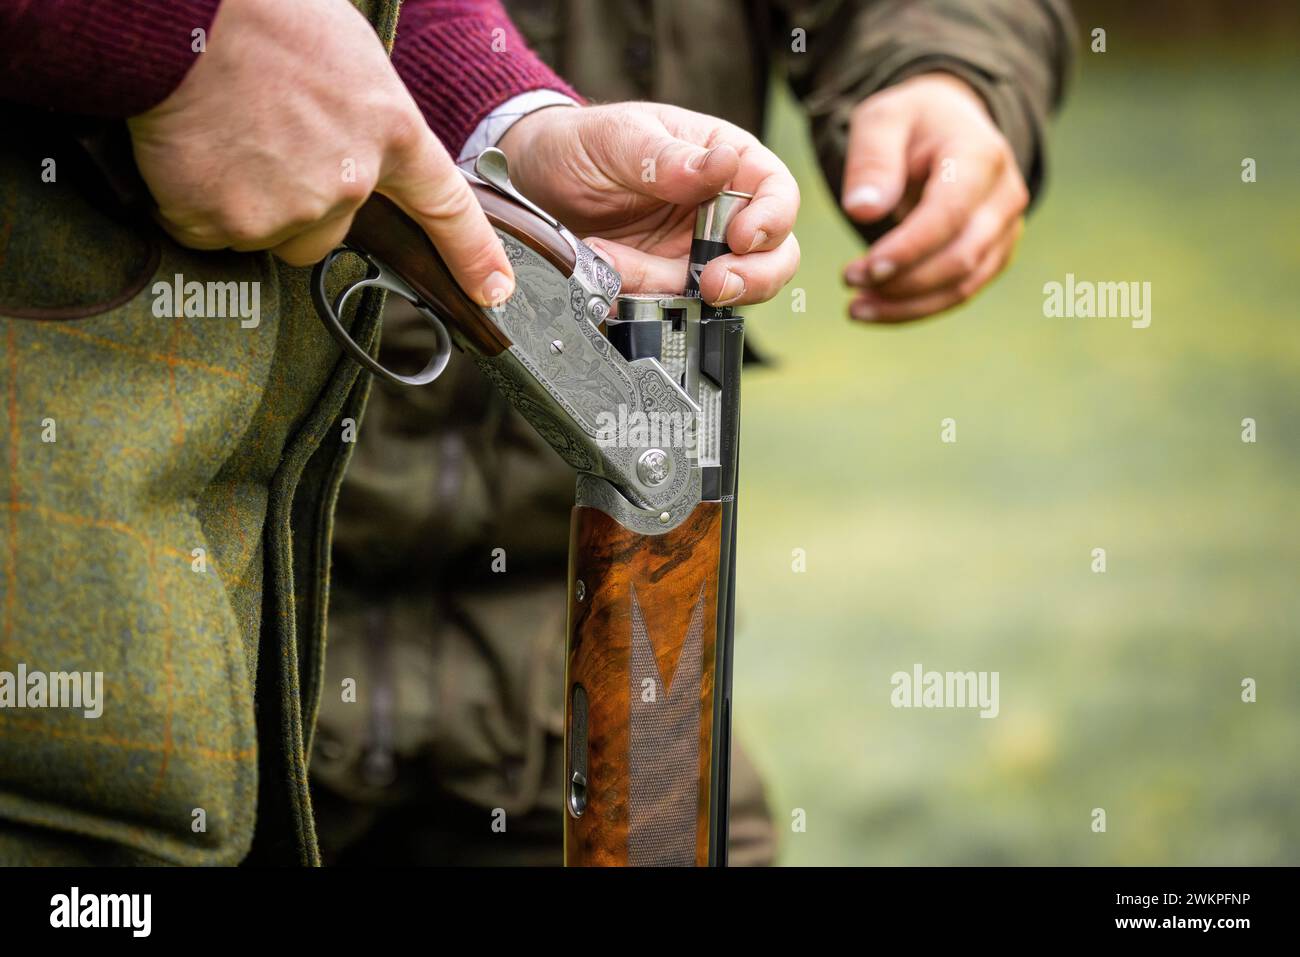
[[166, 489]]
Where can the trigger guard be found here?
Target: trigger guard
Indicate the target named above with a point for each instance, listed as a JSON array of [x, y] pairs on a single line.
[[376, 275]]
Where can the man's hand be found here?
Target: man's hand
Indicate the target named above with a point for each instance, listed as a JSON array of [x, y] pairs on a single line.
[[631, 175], [927, 151], [284, 127]]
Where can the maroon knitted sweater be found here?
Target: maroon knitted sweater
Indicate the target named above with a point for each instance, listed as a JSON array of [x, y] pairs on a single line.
[[121, 57]]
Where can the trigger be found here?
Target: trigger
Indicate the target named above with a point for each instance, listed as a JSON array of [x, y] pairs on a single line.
[[376, 275]]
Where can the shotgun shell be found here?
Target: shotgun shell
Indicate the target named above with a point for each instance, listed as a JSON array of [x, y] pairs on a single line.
[[709, 241]]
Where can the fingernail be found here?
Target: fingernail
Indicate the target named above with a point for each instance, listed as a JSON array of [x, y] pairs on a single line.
[[855, 273], [760, 237], [498, 288], [599, 250], [862, 311], [733, 287], [881, 270], [865, 196], [696, 162]]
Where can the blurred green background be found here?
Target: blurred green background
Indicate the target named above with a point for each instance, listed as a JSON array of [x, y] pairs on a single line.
[[1119, 690]]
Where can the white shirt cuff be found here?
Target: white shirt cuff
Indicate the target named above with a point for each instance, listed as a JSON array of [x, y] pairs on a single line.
[[495, 124]]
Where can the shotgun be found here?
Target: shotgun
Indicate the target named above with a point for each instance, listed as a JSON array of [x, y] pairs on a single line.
[[640, 394]]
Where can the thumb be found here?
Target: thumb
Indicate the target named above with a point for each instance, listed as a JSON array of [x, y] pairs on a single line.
[[875, 170], [432, 191]]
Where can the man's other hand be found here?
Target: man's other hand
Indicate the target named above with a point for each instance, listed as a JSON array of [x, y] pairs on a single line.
[[927, 152]]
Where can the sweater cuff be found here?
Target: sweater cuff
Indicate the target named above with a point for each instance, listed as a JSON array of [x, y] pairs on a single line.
[[497, 123], [463, 64], [98, 57]]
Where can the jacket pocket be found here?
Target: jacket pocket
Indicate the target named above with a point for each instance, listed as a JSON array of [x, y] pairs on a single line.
[[68, 249], [132, 546]]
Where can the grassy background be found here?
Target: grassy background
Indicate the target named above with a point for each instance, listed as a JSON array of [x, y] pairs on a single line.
[[1119, 690]]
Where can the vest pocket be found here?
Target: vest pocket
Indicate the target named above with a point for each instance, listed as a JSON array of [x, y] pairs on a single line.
[[68, 248], [132, 496]]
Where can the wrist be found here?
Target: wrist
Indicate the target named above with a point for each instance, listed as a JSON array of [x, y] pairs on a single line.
[[946, 84], [522, 142], [522, 137]]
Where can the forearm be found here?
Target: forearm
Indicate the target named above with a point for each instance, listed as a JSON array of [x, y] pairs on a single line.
[[98, 57], [461, 59]]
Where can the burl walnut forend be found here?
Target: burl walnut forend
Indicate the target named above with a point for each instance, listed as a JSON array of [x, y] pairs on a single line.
[[642, 635]]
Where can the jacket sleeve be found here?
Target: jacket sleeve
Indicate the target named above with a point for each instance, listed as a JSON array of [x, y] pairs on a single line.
[[463, 58], [459, 58], [98, 57], [1016, 54]]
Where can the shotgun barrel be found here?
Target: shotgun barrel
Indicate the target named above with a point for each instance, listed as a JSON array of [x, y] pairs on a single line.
[[644, 403]]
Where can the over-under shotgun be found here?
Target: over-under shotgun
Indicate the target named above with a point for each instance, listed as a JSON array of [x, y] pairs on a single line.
[[641, 395]]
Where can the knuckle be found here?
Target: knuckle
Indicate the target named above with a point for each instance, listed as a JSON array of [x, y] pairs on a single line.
[[352, 193], [311, 209], [969, 286], [405, 128], [487, 252], [952, 218], [450, 201], [245, 230], [307, 211], [191, 228], [987, 223], [965, 262], [243, 217]]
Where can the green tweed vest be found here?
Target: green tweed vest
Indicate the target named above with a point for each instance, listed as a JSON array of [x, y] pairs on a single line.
[[167, 482]]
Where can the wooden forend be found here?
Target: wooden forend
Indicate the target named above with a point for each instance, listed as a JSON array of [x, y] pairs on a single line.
[[659, 594]]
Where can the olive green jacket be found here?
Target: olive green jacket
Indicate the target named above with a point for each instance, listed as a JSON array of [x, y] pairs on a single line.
[[166, 487]]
